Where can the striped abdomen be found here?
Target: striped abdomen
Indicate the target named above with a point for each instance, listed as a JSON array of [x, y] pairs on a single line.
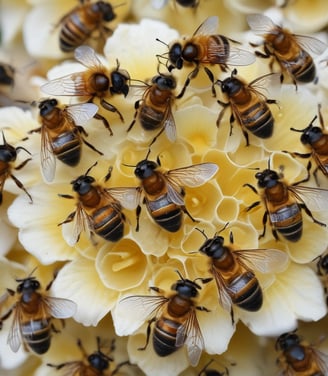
[[36, 334], [288, 221], [67, 148]]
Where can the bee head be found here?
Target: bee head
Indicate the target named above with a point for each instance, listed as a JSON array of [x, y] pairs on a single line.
[[267, 178], [145, 169], [82, 184], [287, 340]]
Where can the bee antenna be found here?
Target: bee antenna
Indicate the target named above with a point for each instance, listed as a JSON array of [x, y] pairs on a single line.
[[165, 44], [180, 275], [234, 72], [309, 126], [202, 232], [3, 138], [90, 168], [224, 227], [29, 275]]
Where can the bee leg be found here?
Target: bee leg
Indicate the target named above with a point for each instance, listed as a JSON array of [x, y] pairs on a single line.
[[81, 347], [225, 105], [202, 308], [92, 147], [105, 122], [109, 107], [156, 137], [23, 164], [148, 334], [315, 175], [308, 212], [21, 186], [264, 221], [244, 133], [136, 107], [54, 329], [211, 77], [190, 76], [69, 218], [138, 211], [307, 178], [117, 368], [255, 191], [188, 214]]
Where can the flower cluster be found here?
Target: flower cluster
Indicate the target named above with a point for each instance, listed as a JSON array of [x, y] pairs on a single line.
[[211, 163]]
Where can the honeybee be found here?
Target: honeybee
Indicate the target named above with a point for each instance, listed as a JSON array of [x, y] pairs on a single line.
[[33, 312], [175, 318], [99, 209], [284, 203], [248, 104], [163, 192], [297, 357], [203, 48], [95, 81], [7, 73], [61, 134], [8, 155], [78, 25], [97, 363], [233, 272], [289, 50], [317, 140], [155, 107]]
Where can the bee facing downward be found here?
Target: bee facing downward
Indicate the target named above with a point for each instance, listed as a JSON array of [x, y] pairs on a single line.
[[61, 134], [33, 313], [163, 192], [175, 318], [99, 209], [233, 272]]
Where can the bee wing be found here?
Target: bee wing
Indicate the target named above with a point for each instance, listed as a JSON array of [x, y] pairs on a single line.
[[260, 24], [321, 359], [143, 307], [128, 197], [192, 176], [87, 57], [237, 56], [82, 113], [14, 339], [169, 124], [81, 223], [266, 85], [311, 44], [72, 84], [47, 156], [223, 292], [264, 260], [59, 308], [314, 198], [208, 27], [189, 333]]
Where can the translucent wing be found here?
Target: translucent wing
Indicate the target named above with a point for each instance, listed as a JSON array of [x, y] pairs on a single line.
[[208, 27], [315, 198], [169, 124], [128, 197], [268, 84], [81, 223], [311, 44], [174, 194], [87, 56], [70, 85], [192, 176], [14, 339], [264, 260], [143, 307], [239, 56], [260, 23], [59, 308], [82, 113], [47, 156], [190, 334], [223, 292], [321, 359]]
